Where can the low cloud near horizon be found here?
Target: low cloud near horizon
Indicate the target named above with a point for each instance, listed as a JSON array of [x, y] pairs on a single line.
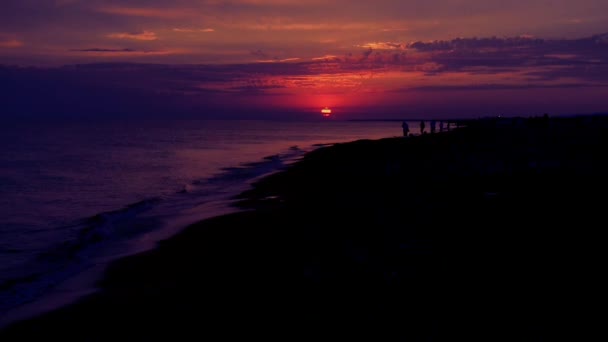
[[458, 77]]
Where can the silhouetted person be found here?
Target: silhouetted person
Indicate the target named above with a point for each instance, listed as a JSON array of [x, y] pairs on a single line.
[[449, 126], [440, 126], [422, 127], [406, 128], [433, 123]]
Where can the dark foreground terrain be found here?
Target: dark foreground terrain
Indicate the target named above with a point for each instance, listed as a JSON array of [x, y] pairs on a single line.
[[489, 232]]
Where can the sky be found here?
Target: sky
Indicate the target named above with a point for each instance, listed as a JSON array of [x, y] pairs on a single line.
[[275, 58]]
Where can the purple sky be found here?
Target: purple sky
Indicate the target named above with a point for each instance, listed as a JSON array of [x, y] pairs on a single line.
[[406, 58]]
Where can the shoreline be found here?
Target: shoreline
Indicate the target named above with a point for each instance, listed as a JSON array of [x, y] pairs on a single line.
[[437, 236], [85, 282]]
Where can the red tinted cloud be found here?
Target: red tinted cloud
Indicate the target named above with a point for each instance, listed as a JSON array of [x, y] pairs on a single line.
[[12, 43], [145, 35]]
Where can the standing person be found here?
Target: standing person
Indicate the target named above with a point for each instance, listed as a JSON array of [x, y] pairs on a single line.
[[433, 124], [440, 126], [421, 127], [406, 128]]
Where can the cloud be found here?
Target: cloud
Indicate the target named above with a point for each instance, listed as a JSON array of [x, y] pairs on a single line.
[[274, 2], [103, 50], [65, 2], [477, 63], [326, 58], [491, 86], [126, 52], [384, 46], [256, 86], [145, 35], [260, 54], [469, 75], [11, 43], [276, 60], [191, 30], [263, 57], [601, 39], [278, 23], [498, 65], [395, 29], [366, 54], [477, 43], [160, 13]]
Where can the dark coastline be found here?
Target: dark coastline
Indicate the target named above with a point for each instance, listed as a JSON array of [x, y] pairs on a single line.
[[489, 232]]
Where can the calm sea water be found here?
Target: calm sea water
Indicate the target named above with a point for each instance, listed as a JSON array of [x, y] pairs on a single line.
[[71, 192]]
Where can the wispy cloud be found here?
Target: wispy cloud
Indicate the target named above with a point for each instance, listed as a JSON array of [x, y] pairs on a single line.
[[263, 57], [491, 86], [161, 13], [11, 43], [289, 24], [292, 59], [126, 52], [193, 30], [397, 29], [384, 46], [102, 50], [145, 35], [326, 58]]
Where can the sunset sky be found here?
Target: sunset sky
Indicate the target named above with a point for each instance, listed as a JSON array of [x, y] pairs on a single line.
[[404, 58]]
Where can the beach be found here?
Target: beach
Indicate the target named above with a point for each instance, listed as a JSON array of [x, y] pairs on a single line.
[[487, 232]]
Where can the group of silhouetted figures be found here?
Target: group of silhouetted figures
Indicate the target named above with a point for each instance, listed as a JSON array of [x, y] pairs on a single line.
[[433, 123]]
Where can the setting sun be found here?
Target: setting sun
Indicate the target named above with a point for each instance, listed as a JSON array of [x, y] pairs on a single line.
[[326, 112]]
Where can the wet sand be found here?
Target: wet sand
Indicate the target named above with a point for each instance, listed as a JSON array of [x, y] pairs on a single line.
[[489, 232]]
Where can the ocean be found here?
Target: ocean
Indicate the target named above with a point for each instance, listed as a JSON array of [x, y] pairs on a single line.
[[79, 193]]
